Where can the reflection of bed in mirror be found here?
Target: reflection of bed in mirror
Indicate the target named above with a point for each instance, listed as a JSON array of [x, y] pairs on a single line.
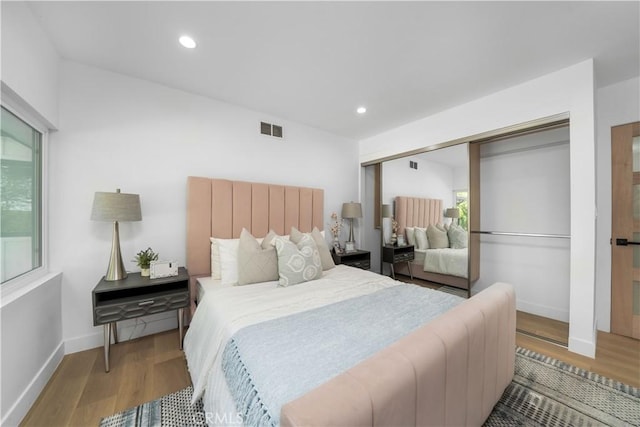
[[447, 266]]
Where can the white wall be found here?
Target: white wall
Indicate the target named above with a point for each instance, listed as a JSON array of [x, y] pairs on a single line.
[[431, 180], [31, 345], [121, 132], [616, 105], [461, 178], [570, 90], [29, 62], [524, 187]]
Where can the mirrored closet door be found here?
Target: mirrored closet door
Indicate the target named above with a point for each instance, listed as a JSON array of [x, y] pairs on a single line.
[[425, 218]]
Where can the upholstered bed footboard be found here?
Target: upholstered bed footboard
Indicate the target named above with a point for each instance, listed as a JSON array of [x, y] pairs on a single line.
[[451, 371]]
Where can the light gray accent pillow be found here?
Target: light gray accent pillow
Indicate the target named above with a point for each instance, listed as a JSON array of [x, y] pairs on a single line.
[[323, 248], [255, 264], [297, 263], [458, 238], [411, 236], [437, 238], [421, 238], [267, 242]]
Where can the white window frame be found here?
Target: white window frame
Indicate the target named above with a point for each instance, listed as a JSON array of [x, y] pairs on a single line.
[[20, 285]]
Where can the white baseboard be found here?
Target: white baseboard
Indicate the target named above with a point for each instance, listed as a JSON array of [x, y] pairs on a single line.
[[16, 413], [583, 347], [543, 310], [128, 329]]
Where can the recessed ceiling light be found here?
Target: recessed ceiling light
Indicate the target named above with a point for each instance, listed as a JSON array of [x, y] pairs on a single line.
[[187, 42], [361, 110]]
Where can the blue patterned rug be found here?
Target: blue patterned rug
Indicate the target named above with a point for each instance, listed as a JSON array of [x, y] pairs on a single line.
[[544, 392]]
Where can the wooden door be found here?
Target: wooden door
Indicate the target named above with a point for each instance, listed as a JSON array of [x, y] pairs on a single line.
[[625, 242]]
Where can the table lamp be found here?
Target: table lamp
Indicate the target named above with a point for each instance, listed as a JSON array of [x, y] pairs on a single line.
[[114, 207], [350, 211], [452, 213]]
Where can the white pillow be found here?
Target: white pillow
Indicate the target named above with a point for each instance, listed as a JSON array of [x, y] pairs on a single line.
[[421, 238], [411, 237], [215, 259], [228, 250]]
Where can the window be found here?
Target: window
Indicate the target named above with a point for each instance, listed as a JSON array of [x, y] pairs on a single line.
[[20, 197], [462, 203]]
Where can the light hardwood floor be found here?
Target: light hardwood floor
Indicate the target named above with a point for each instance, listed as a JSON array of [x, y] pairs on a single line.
[[552, 330], [80, 393]]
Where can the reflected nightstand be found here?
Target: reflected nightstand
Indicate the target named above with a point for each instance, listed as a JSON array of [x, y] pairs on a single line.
[[395, 254]]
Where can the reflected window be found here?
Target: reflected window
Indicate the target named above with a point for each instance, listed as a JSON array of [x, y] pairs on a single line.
[[462, 203]]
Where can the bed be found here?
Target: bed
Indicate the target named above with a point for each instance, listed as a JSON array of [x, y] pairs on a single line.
[[449, 371], [448, 266]]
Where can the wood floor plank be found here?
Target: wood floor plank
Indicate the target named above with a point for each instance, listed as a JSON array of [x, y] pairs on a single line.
[[135, 364], [91, 413], [59, 398]]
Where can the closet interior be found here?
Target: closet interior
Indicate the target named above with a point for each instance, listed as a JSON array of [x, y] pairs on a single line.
[[524, 227]]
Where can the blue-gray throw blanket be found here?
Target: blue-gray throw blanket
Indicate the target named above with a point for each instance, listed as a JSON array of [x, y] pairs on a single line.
[[271, 363]]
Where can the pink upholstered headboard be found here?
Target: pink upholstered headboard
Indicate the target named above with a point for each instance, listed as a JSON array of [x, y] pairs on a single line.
[[222, 208], [417, 212]]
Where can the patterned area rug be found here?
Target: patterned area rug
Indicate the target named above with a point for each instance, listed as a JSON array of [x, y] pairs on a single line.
[[544, 392]]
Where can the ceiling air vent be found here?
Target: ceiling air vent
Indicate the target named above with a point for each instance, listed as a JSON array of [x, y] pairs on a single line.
[[413, 165], [271, 130]]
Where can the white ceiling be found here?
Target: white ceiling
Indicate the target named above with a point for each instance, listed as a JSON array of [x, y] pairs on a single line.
[[315, 62]]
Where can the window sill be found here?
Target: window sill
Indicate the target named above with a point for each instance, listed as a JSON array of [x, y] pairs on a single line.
[[16, 289]]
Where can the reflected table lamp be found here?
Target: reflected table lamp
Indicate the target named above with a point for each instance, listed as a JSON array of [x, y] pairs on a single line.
[[387, 212], [351, 211], [453, 213], [115, 207]]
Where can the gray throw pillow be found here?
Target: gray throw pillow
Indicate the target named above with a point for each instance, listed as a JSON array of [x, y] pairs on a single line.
[[437, 238], [458, 238], [297, 263], [255, 264], [323, 248]]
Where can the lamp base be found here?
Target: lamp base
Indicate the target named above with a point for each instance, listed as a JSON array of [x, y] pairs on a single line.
[[116, 270]]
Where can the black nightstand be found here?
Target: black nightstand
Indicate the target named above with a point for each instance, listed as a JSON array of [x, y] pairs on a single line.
[[137, 296], [359, 259], [396, 254]]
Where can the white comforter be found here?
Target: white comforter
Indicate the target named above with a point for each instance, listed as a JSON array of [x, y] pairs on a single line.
[[453, 262], [225, 310]]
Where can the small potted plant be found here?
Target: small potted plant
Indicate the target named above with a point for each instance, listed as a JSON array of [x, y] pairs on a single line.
[[143, 259]]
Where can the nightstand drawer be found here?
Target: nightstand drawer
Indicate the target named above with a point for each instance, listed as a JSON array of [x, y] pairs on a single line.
[[365, 264], [358, 259], [128, 310], [403, 257]]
